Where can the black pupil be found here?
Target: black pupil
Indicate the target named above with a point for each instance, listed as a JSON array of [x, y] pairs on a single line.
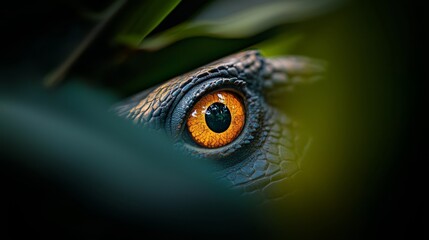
[[218, 117]]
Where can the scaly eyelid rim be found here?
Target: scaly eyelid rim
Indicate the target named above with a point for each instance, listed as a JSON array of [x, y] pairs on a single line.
[[249, 135], [179, 112]]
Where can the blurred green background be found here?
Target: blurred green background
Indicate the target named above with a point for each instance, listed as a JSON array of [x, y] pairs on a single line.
[[72, 167]]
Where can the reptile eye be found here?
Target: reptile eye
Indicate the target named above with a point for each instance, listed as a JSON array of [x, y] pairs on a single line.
[[216, 119]]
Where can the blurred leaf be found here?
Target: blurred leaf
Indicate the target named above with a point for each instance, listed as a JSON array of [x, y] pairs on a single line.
[[239, 20], [70, 138], [141, 20]]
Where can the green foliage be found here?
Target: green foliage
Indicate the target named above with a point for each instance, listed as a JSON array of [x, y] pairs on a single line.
[[69, 137], [246, 20], [142, 19]]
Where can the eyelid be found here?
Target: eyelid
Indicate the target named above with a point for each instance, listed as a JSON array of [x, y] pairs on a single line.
[[176, 126], [180, 111]]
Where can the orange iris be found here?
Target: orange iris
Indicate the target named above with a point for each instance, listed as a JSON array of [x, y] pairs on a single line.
[[216, 119]]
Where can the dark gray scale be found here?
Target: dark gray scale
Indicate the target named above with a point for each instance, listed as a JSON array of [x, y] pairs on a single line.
[[218, 117]]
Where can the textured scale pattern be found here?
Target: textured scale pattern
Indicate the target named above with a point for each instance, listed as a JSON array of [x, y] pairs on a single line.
[[272, 156], [274, 163], [153, 109]]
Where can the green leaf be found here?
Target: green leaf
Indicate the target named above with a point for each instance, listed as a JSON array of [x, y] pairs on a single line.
[[68, 137], [240, 20], [142, 19]]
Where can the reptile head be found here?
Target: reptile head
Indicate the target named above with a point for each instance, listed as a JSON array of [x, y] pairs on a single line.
[[225, 112]]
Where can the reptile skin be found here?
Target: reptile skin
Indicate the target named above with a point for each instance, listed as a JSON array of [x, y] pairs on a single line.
[[266, 156]]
